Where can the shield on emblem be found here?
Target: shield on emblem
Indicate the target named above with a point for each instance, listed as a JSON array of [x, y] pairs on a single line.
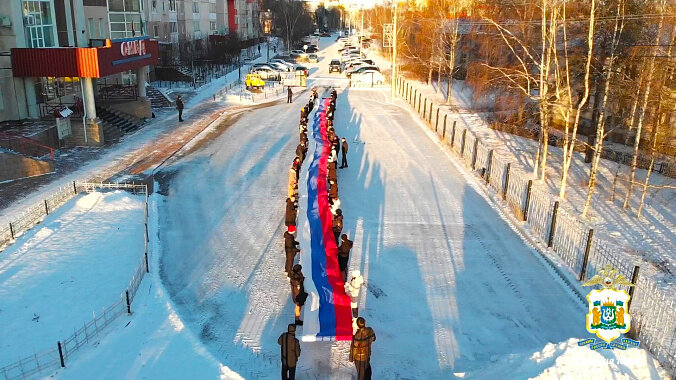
[[608, 315]]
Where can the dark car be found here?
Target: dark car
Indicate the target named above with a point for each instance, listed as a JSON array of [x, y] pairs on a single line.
[[334, 66], [360, 69], [311, 49]]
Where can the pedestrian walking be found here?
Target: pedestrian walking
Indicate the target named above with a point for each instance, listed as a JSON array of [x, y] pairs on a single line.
[[298, 293], [360, 349], [290, 347], [300, 151], [343, 164], [337, 224], [291, 210], [291, 249], [344, 255], [289, 95], [352, 289], [333, 189], [179, 107]]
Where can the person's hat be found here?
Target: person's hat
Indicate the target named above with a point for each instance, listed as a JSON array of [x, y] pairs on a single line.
[[297, 268], [356, 273], [292, 328], [344, 237], [292, 230], [339, 212], [361, 322]]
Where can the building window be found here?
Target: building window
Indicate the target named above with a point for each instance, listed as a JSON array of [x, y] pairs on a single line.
[[212, 7], [196, 26], [90, 27], [156, 31], [195, 7], [39, 24], [103, 30], [174, 27], [153, 5], [172, 5], [123, 25], [212, 26]]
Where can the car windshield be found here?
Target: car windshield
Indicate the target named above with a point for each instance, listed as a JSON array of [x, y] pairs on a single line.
[[335, 62]]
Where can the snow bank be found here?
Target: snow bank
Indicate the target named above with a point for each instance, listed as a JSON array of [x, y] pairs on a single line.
[[78, 261], [567, 360], [153, 342]]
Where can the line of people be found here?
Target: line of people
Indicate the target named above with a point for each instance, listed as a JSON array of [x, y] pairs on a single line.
[[360, 349]]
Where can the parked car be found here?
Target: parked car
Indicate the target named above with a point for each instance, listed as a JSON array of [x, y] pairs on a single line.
[[334, 66], [311, 49], [253, 81], [289, 65], [263, 65], [267, 73], [312, 58], [301, 68], [368, 77], [280, 66], [296, 53], [360, 69]]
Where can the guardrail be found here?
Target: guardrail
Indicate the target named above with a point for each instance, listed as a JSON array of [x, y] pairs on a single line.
[[62, 351], [653, 309], [26, 146]]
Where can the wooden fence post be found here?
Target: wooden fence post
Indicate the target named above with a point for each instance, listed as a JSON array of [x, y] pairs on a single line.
[[11, 230], [504, 189], [424, 114], [436, 123], [453, 133], [419, 100], [46, 208], [489, 166], [476, 144], [74, 188], [587, 249], [462, 144], [634, 279], [429, 117], [528, 193], [63, 362], [552, 228]]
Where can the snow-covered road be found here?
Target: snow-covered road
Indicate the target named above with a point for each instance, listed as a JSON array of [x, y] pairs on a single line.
[[452, 287]]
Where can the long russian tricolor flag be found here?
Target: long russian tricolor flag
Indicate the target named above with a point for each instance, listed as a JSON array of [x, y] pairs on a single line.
[[326, 314]]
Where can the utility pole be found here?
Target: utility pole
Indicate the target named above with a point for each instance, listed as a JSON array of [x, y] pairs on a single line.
[[394, 48]]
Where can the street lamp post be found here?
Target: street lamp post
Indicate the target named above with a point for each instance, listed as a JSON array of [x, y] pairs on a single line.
[[394, 48]]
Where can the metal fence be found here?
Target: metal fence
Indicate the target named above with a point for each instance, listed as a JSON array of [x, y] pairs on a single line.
[[653, 308], [56, 357]]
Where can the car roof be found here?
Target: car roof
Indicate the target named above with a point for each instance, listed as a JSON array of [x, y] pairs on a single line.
[[335, 60]]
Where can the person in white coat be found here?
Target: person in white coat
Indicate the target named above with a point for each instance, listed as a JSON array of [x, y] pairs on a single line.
[[353, 288]]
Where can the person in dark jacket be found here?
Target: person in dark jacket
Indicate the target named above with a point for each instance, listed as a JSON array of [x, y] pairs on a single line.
[[303, 115], [334, 95], [291, 249], [333, 189], [300, 152], [360, 349], [298, 293], [291, 211], [336, 143], [290, 347], [289, 95], [343, 163], [344, 255], [332, 173], [179, 107], [337, 224]]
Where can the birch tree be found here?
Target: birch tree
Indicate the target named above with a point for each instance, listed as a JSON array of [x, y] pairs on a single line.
[[644, 105]]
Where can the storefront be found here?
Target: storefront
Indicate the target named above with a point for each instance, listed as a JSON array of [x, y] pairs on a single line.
[[72, 72]]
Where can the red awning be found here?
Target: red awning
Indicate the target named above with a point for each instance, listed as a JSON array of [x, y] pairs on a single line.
[[120, 55]]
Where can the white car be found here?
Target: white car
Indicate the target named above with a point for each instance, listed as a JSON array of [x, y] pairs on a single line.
[[266, 73], [283, 62], [280, 66], [368, 78]]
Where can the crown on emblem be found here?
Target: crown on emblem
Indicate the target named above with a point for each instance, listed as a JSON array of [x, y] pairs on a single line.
[[608, 302]]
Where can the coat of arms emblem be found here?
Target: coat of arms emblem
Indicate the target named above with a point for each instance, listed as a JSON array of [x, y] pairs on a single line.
[[608, 315]]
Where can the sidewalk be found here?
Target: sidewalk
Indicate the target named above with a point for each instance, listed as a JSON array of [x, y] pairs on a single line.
[[134, 153]]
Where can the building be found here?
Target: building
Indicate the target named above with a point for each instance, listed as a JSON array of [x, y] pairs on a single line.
[[59, 54]]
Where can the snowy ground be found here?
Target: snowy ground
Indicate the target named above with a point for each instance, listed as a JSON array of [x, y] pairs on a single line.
[[452, 288], [76, 262], [651, 239]]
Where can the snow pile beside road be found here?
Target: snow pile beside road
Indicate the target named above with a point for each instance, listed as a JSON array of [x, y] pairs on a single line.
[[77, 261], [567, 360]]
